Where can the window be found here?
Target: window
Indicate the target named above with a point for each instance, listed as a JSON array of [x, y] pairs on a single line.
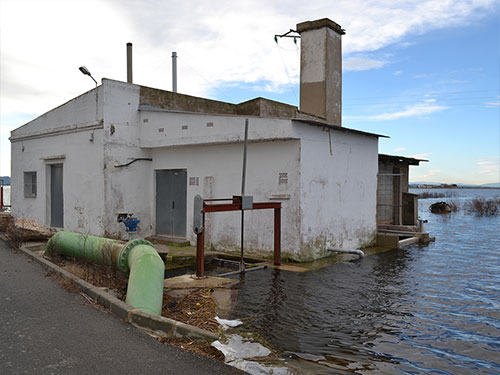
[[29, 184]]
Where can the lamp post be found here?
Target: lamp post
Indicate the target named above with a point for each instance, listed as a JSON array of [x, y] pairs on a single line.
[[85, 71]]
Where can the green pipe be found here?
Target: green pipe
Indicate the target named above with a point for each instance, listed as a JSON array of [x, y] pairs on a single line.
[[138, 257]]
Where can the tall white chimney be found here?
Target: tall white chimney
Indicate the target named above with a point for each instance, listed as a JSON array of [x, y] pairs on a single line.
[[321, 69], [174, 71]]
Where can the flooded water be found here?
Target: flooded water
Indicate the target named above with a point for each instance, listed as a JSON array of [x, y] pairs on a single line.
[[420, 310]]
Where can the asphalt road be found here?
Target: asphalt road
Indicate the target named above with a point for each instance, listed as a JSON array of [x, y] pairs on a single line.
[[46, 330]]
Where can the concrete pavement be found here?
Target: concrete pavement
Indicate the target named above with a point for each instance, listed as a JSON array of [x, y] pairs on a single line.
[[46, 330]]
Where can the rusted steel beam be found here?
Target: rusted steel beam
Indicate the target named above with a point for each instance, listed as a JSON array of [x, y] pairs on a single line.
[[265, 205], [200, 250], [277, 236], [223, 207]]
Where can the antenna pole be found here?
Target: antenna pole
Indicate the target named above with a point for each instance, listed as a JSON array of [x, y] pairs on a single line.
[[243, 178]]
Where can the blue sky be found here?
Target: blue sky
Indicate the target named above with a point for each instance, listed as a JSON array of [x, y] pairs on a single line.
[[425, 73]]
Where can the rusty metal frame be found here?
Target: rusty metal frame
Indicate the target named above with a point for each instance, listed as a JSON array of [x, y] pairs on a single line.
[[235, 205]]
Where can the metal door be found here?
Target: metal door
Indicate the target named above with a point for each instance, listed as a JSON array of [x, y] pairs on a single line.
[[56, 196], [171, 190]]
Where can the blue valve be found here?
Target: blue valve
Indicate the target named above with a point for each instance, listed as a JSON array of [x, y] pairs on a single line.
[[131, 224]]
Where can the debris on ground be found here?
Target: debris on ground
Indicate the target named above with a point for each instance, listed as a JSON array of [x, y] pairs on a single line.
[[197, 308], [226, 324], [95, 274], [238, 350], [25, 230]]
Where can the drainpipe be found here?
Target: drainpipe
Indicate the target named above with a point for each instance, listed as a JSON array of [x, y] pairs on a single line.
[[347, 251], [138, 257]]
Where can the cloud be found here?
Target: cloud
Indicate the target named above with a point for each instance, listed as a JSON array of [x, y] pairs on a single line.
[[414, 110], [421, 156], [492, 104], [399, 149], [230, 41], [489, 166], [362, 63]]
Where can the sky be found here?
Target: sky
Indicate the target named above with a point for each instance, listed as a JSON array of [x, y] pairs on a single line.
[[425, 73]]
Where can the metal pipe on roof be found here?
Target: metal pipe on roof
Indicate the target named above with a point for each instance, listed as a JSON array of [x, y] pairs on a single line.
[[129, 62], [174, 71]]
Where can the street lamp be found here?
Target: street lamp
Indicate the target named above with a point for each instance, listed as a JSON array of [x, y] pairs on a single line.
[[85, 71]]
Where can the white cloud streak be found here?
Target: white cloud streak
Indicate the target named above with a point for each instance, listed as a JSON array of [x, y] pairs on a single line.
[[421, 156], [43, 43], [492, 104], [489, 166], [414, 110]]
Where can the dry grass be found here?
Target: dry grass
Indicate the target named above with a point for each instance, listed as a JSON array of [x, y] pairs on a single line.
[[483, 207], [454, 205], [95, 274], [198, 309]]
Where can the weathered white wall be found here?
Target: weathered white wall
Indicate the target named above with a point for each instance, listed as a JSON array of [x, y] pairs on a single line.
[[63, 131], [126, 189], [329, 197], [82, 180], [163, 129], [338, 190], [218, 168], [76, 112]]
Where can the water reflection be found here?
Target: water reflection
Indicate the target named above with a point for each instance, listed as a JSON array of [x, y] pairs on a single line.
[[425, 310]]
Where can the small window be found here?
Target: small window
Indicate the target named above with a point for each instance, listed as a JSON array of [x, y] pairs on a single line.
[[29, 184]]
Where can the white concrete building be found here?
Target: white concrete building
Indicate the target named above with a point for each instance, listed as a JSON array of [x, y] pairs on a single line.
[[125, 148]]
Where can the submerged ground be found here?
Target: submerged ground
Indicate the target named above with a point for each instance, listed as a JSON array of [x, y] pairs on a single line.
[[421, 310]]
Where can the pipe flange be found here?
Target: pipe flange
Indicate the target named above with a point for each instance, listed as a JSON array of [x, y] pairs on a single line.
[[125, 250]]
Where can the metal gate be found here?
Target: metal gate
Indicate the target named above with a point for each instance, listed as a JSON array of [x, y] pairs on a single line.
[[56, 196], [171, 190]]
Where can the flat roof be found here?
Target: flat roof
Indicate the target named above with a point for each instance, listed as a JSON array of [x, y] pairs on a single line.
[[410, 161], [339, 128]]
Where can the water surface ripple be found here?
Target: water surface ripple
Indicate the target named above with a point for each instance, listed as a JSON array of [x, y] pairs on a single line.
[[421, 310]]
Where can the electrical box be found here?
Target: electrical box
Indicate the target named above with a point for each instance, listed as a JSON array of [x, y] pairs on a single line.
[[197, 214], [246, 201]]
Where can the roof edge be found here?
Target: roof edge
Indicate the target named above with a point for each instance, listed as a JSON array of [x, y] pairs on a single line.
[[339, 128]]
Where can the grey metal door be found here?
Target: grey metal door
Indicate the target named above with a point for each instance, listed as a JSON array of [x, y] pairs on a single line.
[[171, 190], [56, 196]]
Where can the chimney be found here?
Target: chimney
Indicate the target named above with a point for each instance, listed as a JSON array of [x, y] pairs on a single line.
[[321, 69], [174, 71], [129, 62]]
